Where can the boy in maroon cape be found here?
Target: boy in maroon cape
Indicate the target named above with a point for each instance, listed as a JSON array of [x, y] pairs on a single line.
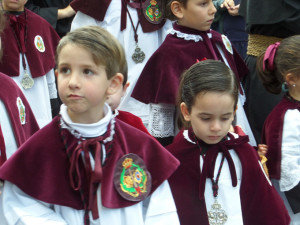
[[86, 167], [220, 179], [17, 122], [278, 68], [29, 57], [190, 40]]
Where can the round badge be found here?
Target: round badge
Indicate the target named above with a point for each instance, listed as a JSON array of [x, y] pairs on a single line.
[[132, 180], [39, 43], [227, 44]]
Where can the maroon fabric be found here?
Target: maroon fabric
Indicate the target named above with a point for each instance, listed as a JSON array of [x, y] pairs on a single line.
[[272, 135], [40, 63], [41, 166], [160, 78], [97, 10], [132, 120], [8, 95], [261, 204]]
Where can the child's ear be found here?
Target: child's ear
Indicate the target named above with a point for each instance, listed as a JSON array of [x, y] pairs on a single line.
[[184, 111], [115, 84], [56, 72], [176, 8], [125, 88], [291, 79]]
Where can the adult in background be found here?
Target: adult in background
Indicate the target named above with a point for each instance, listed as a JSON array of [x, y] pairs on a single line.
[[58, 13], [267, 22]]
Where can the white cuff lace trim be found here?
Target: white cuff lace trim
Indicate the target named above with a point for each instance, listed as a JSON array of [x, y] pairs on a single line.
[[188, 37], [161, 122]]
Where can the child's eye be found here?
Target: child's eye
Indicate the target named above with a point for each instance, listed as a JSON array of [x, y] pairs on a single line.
[[64, 70], [88, 72], [205, 118], [225, 118], [203, 3]]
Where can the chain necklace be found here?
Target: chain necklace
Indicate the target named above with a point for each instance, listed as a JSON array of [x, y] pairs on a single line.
[[138, 56]]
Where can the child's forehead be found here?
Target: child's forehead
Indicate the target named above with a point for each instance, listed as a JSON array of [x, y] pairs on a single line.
[[209, 96]]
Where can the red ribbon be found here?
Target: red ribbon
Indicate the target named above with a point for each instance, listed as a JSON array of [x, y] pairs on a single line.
[[269, 57], [94, 176]]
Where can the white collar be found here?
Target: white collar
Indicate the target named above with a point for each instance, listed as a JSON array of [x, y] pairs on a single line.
[[188, 37], [86, 130]]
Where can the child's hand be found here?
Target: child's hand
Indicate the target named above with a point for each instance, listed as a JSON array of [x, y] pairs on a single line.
[[262, 150], [228, 4], [234, 11]]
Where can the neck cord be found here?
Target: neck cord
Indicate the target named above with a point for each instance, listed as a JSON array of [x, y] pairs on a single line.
[[215, 182], [22, 37]]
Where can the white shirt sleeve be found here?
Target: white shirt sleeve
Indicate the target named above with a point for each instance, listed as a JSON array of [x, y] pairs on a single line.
[[161, 209], [290, 154], [17, 208]]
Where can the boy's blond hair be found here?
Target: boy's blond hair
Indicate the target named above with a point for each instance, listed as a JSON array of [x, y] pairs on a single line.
[[104, 47]]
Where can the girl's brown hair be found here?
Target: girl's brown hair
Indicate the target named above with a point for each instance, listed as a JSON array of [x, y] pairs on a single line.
[[286, 60], [206, 76]]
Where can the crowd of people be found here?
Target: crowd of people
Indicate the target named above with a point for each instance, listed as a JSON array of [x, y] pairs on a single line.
[[150, 112]]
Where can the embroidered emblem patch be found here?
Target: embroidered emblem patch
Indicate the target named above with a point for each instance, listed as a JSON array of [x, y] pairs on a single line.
[[21, 108], [152, 11], [39, 43], [132, 179], [227, 44]]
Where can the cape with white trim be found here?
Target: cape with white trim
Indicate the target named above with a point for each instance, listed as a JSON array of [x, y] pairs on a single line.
[[160, 78]]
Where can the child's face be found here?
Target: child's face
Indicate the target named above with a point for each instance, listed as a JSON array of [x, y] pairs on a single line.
[[82, 85], [13, 5], [210, 116], [198, 14]]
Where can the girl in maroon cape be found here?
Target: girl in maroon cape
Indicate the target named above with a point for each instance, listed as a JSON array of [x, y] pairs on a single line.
[[279, 69], [220, 179]]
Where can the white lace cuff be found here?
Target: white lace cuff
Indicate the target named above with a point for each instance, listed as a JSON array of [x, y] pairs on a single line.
[[161, 122]]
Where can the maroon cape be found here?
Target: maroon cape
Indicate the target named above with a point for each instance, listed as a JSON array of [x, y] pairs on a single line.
[[132, 120], [9, 94], [272, 135], [160, 78], [40, 63], [41, 166], [97, 10], [260, 203]]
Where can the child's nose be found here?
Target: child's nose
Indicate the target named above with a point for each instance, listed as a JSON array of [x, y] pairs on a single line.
[[213, 9], [215, 126], [74, 81]]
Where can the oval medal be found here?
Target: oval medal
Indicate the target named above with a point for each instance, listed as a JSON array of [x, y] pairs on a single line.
[[152, 11]]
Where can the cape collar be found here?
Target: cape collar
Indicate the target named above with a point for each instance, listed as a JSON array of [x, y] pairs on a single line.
[[189, 33]]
